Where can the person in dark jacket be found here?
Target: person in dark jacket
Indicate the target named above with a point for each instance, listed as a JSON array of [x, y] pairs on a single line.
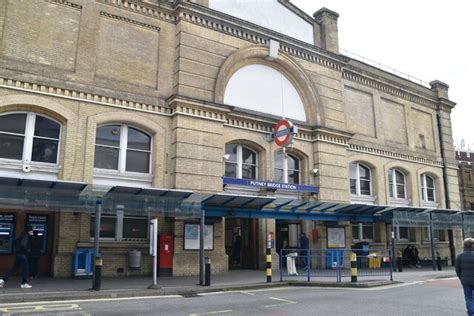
[[465, 273], [304, 246], [34, 255], [22, 249]]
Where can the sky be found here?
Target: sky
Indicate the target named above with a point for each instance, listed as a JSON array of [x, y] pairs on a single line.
[[428, 40]]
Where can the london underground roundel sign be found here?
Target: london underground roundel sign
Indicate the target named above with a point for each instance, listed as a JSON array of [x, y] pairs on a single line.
[[283, 133]]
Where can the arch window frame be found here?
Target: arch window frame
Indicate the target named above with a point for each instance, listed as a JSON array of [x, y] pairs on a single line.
[[394, 185], [239, 162], [285, 170], [123, 149], [358, 179], [29, 137]]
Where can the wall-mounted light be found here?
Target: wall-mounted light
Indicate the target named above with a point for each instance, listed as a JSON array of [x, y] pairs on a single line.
[[314, 171]]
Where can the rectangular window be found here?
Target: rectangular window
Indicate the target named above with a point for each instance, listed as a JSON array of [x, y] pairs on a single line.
[[363, 231], [403, 233], [121, 227]]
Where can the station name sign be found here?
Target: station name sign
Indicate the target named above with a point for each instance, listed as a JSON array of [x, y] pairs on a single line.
[[270, 185]]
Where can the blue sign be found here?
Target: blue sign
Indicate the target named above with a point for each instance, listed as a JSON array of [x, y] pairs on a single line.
[[271, 185]]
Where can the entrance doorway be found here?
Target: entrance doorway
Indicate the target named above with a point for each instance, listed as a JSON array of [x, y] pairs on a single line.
[[287, 235], [241, 241]]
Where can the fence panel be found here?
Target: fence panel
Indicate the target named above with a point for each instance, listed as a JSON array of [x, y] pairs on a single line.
[[333, 264]]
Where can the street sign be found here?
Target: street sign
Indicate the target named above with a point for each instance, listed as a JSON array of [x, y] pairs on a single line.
[[283, 133]]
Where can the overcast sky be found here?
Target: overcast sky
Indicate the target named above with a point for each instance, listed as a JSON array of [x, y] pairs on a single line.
[[429, 40]]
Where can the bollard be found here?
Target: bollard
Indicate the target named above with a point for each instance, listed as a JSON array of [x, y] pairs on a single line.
[[97, 282], [269, 265], [353, 268], [400, 264], [207, 272], [438, 262]]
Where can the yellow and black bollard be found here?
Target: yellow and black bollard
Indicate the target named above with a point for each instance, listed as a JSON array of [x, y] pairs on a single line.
[[269, 265], [353, 267]]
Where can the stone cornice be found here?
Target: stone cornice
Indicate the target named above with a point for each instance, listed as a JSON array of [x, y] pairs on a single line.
[[393, 89], [392, 154], [130, 21], [77, 95], [67, 4], [161, 12], [446, 105]]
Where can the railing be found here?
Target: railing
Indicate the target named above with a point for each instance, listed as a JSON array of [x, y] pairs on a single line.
[[384, 68], [321, 264]]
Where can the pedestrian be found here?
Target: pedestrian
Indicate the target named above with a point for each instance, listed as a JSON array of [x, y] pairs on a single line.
[[21, 245], [465, 273], [34, 255], [304, 246], [236, 247]]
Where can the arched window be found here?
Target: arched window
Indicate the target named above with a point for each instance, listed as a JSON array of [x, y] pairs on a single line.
[[287, 171], [360, 179], [29, 137], [428, 192], [397, 184], [122, 148], [242, 162], [267, 90]]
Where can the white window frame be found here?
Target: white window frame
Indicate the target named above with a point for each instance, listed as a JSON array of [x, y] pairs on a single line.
[[240, 160], [397, 233], [394, 199], [285, 169], [427, 234], [122, 163], [424, 190], [29, 136], [369, 199], [119, 220], [360, 232]]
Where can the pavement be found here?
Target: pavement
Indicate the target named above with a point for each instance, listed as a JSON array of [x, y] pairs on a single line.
[[49, 289]]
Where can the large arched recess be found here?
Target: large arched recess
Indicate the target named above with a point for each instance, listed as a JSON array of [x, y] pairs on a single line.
[[286, 65]]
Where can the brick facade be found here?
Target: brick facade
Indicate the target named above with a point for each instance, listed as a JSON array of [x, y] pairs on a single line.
[[164, 69]]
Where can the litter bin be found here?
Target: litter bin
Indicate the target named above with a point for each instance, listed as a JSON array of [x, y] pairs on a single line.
[[375, 260], [135, 259], [290, 263]]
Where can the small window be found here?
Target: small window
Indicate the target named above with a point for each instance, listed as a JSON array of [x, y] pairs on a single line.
[[121, 227], [403, 233], [422, 141], [363, 231], [29, 137], [242, 162]]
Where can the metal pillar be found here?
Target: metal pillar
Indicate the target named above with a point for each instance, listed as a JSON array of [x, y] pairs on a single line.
[[433, 252], [97, 278], [392, 259], [201, 248]]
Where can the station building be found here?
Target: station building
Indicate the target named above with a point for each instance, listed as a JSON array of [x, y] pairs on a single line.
[[185, 95]]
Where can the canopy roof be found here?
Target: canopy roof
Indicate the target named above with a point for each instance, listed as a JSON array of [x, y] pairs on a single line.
[[81, 197]]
